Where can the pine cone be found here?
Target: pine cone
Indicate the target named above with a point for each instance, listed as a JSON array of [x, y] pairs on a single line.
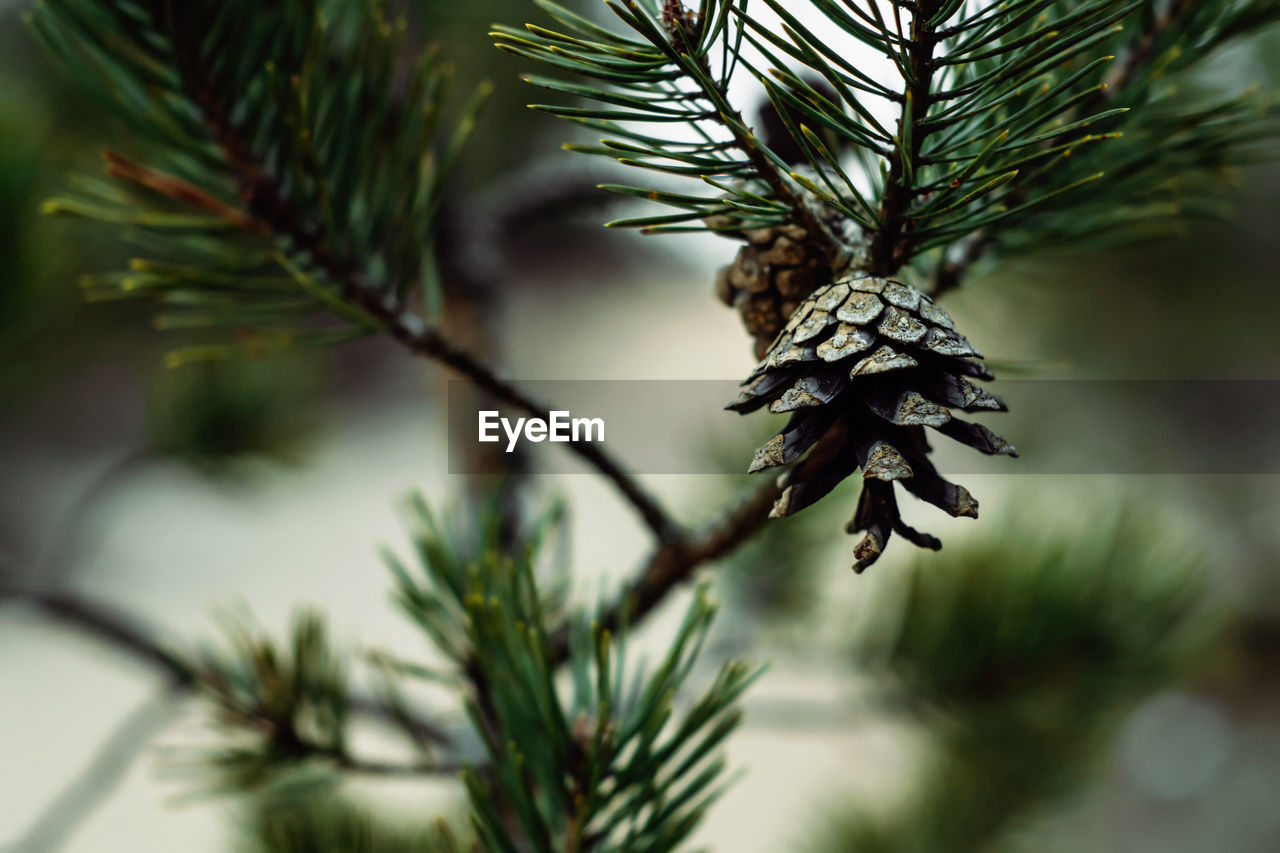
[[864, 365], [768, 279]]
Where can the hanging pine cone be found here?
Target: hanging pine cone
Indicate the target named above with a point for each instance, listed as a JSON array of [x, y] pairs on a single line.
[[864, 365]]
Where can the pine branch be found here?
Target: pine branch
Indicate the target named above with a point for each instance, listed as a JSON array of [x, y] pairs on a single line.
[[816, 233], [130, 636], [1159, 41], [109, 626], [891, 246], [665, 75], [577, 773], [426, 341], [271, 210], [270, 215], [670, 565]]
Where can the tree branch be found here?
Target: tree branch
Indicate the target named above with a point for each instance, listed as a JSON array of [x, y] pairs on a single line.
[[671, 564], [748, 143], [59, 820], [108, 625], [815, 232], [892, 245], [127, 634], [422, 339]]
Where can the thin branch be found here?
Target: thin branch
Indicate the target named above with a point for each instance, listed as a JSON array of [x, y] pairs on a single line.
[[104, 772], [112, 627], [422, 339], [127, 634], [816, 233], [748, 143]]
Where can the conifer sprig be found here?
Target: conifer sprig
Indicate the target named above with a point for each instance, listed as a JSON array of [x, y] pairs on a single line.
[[674, 68], [296, 166], [1168, 153], [274, 210], [605, 765], [1001, 112]]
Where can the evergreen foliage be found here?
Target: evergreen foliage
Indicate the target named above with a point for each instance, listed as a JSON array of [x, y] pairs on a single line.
[[295, 164], [293, 824], [1019, 659], [285, 190], [608, 763], [1005, 118], [613, 766]]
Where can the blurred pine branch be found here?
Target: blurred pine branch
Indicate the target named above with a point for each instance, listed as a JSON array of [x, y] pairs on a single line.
[[1020, 658]]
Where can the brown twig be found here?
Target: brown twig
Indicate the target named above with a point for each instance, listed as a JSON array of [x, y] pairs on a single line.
[[116, 629], [425, 340], [183, 192], [129, 635]]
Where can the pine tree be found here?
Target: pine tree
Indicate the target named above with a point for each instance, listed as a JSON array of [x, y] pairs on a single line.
[[286, 191]]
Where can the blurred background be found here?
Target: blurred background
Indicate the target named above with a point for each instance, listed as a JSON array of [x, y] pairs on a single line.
[[1095, 665]]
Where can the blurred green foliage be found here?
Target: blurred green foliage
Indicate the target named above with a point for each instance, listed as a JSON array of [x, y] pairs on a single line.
[[222, 416], [42, 132], [608, 762], [289, 701], [512, 135], [334, 822], [1019, 657], [213, 416]]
